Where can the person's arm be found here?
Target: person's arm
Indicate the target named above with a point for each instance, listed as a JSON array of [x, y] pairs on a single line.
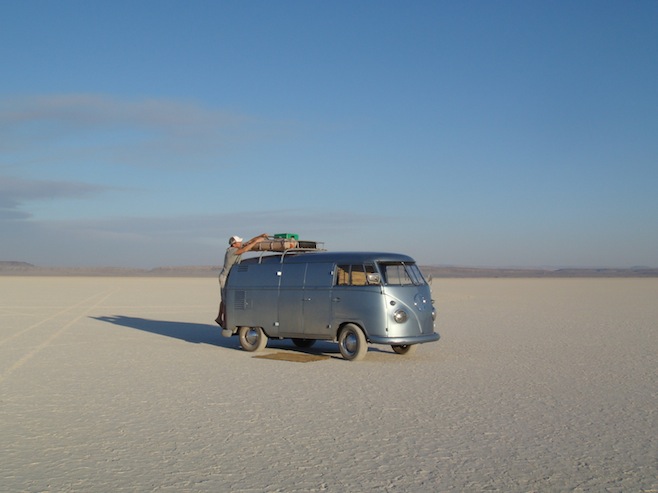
[[252, 243]]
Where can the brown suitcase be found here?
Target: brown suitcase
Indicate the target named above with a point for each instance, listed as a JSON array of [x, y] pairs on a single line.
[[274, 245]]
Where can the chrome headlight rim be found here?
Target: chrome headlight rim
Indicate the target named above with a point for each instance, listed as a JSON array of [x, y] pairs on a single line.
[[400, 316]]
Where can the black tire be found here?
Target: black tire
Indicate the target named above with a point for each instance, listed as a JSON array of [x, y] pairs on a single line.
[[352, 343], [252, 338], [405, 348], [303, 343]]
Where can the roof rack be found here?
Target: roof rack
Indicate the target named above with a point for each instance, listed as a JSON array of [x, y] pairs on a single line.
[[281, 245], [288, 251]]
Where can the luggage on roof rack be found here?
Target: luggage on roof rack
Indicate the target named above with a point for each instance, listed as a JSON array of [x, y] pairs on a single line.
[[274, 245], [280, 244]]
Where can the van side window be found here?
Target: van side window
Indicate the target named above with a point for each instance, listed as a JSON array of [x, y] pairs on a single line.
[[358, 275], [342, 275], [370, 269], [353, 275]]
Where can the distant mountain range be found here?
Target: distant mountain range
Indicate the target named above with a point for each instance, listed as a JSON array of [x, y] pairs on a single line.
[[13, 268], [465, 272], [26, 269]]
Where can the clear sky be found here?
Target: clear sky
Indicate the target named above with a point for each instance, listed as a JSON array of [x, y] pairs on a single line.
[[504, 133]]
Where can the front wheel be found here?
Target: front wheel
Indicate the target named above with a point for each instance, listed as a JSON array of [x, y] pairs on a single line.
[[352, 343], [404, 348], [252, 338]]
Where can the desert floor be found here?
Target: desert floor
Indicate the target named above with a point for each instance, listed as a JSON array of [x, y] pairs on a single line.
[[125, 384]]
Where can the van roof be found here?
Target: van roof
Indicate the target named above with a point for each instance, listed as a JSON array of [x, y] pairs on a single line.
[[338, 257]]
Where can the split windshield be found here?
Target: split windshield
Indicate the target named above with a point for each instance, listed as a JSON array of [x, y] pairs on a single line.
[[401, 274]]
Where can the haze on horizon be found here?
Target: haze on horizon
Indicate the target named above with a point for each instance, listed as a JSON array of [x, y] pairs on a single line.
[[469, 133]]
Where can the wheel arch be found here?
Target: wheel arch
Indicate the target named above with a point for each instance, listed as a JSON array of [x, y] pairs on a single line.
[[358, 323]]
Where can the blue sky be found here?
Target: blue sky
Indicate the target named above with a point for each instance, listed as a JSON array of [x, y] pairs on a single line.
[[505, 133]]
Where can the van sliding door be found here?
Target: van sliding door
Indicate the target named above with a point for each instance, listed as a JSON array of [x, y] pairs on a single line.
[[291, 300], [305, 300], [317, 300]]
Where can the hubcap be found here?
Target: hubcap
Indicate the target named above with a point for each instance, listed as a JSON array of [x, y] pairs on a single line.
[[251, 336], [350, 342]]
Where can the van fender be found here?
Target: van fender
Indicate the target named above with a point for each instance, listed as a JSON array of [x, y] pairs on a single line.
[[358, 323]]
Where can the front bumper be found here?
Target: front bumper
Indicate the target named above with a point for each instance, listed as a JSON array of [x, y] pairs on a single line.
[[405, 341]]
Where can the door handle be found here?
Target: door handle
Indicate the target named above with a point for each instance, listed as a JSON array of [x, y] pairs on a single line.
[[336, 299]]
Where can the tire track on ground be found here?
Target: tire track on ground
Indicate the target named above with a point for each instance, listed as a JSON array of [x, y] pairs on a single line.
[[55, 335], [34, 326]]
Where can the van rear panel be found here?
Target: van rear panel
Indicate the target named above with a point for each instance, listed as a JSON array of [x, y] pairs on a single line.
[[252, 296]]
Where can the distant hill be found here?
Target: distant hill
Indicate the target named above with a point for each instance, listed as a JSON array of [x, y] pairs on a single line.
[[13, 268], [474, 272], [10, 268]]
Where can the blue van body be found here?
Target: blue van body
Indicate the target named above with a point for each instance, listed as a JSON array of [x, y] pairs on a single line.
[[380, 298]]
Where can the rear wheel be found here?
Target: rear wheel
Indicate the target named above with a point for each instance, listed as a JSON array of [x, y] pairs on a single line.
[[352, 343], [405, 348], [252, 338], [303, 342]]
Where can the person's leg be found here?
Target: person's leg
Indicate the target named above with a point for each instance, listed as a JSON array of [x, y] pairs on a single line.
[[220, 313]]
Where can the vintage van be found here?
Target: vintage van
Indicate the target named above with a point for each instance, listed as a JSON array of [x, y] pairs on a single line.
[[354, 298]]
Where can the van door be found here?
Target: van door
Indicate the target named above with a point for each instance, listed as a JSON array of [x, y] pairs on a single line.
[[317, 301], [358, 301], [291, 300], [305, 301]]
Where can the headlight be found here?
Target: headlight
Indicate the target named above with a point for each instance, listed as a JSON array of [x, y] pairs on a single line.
[[400, 316]]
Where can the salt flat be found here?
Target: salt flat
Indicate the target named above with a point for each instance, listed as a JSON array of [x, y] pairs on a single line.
[[125, 384]]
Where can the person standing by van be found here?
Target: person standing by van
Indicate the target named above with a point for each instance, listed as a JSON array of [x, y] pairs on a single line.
[[233, 254]]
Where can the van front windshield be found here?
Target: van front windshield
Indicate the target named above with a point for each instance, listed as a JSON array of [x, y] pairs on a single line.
[[401, 274]]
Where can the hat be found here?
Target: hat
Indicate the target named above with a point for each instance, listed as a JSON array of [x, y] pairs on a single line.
[[234, 239]]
